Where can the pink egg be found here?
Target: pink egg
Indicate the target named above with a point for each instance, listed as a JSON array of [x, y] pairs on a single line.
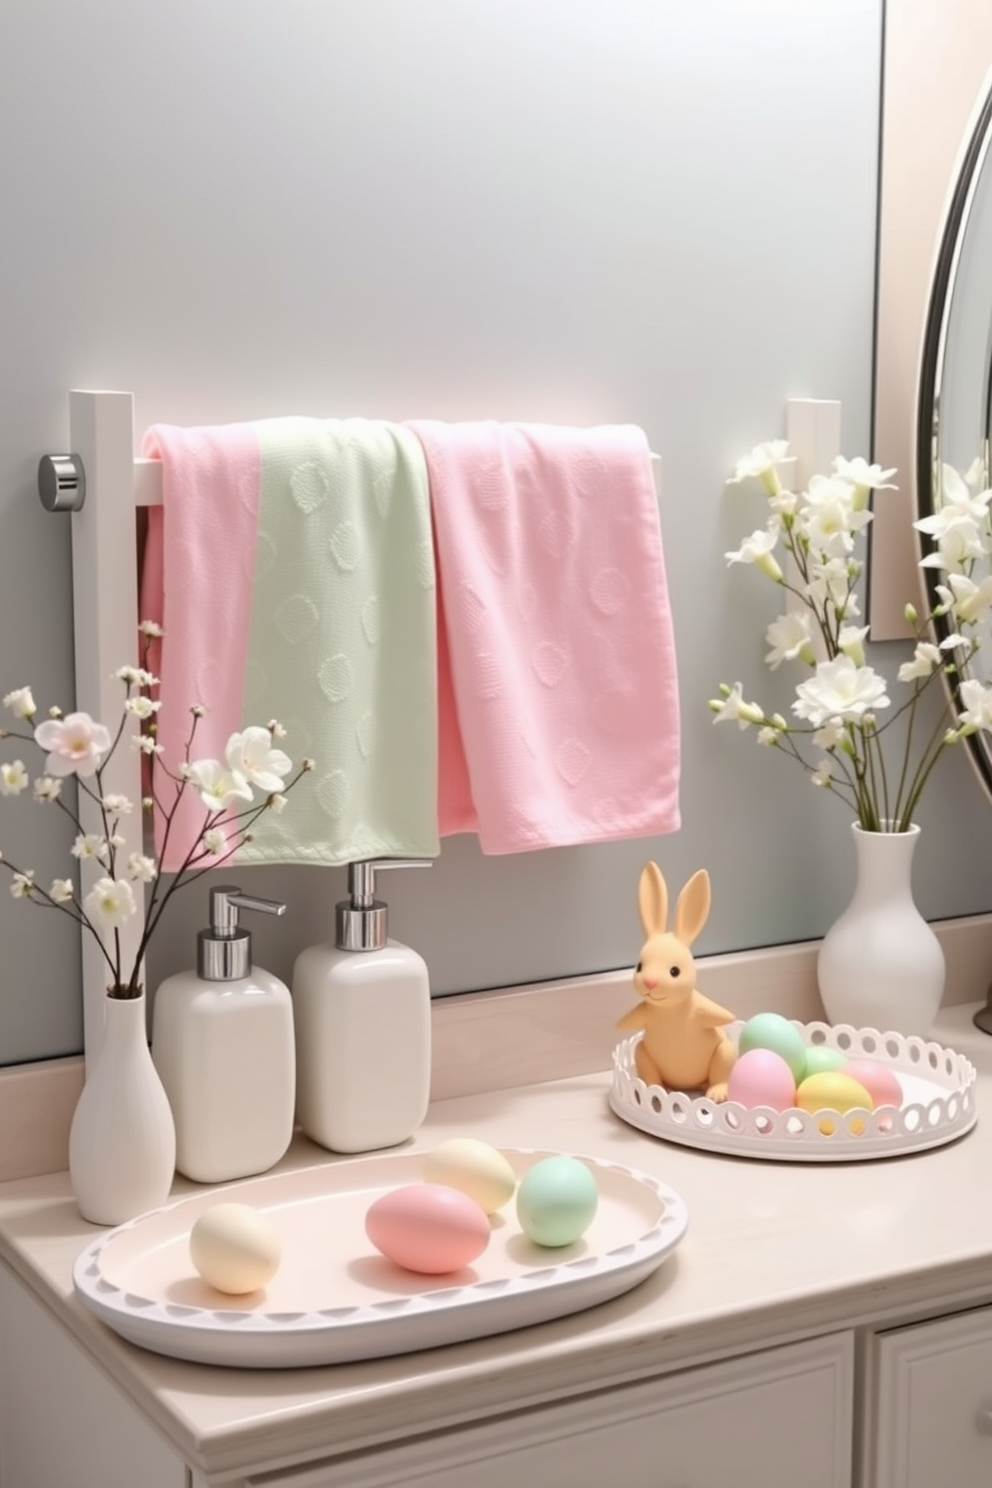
[[761, 1077], [879, 1081], [428, 1227]]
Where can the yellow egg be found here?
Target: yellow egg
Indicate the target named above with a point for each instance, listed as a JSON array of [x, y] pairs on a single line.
[[235, 1248], [831, 1091], [474, 1168]]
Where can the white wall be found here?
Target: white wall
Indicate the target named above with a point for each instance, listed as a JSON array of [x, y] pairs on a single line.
[[562, 210]]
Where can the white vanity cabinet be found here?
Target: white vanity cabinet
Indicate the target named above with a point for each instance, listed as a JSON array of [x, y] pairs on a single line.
[[933, 1404], [750, 1421]]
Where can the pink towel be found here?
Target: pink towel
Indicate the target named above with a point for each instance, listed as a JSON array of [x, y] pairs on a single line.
[[558, 693], [203, 536]]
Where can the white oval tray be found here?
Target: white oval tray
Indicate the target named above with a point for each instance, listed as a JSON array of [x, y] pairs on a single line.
[[335, 1298], [938, 1104]]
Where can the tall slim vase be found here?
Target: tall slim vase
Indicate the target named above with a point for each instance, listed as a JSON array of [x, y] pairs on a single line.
[[881, 965], [122, 1142]]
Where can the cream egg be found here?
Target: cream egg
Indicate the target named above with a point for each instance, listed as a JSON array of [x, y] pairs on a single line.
[[235, 1248], [475, 1169]]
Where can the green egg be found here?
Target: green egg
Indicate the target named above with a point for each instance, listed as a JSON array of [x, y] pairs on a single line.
[[822, 1060], [556, 1200], [772, 1031]]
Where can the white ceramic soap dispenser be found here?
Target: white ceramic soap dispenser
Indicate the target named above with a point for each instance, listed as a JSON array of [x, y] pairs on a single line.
[[223, 1045], [362, 1010]]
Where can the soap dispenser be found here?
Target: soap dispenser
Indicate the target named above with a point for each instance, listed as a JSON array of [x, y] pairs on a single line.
[[223, 1045], [362, 1012]]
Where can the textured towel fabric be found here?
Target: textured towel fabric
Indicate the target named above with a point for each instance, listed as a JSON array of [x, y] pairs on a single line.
[[323, 615], [557, 676]]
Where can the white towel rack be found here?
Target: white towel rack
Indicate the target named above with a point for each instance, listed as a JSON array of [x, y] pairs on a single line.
[[102, 483]]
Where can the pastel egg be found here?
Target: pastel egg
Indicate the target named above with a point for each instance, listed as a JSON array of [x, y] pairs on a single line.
[[235, 1248], [557, 1200], [475, 1169], [833, 1091], [879, 1081], [772, 1031], [821, 1059], [428, 1227], [761, 1077]]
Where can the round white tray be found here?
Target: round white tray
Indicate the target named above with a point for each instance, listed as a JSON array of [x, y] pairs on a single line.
[[335, 1298], [938, 1104]]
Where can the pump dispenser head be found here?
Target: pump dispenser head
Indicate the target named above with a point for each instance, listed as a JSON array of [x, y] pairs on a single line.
[[223, 953], [361, 921]]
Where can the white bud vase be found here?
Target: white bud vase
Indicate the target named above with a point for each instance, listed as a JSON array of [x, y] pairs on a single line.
[[881, 966], [122, 1142]]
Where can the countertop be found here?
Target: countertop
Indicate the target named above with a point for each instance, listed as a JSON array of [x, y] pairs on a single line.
[[773, 1252]]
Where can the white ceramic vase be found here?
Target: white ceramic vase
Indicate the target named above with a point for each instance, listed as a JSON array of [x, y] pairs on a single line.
[[122, 1142], [881, 966]]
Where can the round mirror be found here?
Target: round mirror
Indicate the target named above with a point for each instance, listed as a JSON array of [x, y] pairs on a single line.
[[954, 406]]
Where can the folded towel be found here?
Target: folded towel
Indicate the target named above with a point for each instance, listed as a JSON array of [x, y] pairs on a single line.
[[298, 584], [559, 710]]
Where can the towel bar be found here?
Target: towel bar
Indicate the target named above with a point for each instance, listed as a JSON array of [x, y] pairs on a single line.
[[62, 482]]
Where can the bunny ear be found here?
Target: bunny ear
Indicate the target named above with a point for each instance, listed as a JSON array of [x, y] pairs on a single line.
[[693, 907], [652, 899]]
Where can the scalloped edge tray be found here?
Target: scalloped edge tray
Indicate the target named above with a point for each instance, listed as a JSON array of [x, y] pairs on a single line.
[[335, 1298], [939, 1104]]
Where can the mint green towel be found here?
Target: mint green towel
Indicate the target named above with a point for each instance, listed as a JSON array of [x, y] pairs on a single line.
[[342, 640]]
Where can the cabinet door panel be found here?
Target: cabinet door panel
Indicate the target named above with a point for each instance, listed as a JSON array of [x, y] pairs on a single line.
[[774, 1419], [934, 1392]]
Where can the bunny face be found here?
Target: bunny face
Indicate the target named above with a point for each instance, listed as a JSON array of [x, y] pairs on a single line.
[[665, 971]]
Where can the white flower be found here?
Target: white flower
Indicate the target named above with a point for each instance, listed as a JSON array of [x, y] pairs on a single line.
[[925, 658], [146, 744], [90, 845], [22, 885], [761, 463], [276, 729], [110, 902], [768, 736], [977, 699], [831, 736], [251, 754], [141, 868], [860, 473], [151, 629], [13, 778], [20, 702], [278, 804], [47, 788], [214, 841], [968, 600], [219, 788], [829, 519], [116, 805], [824, 774], [759, 549], [75, 743], [789, 637], [135, 677], [840, 691], [830, 582], [62, 890], [732, 708], [141, 706], [851, 641]]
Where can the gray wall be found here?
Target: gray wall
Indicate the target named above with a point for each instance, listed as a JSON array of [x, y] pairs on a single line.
[[561, 210]]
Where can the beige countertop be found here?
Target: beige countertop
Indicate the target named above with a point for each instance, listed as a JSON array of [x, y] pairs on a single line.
[[773, 1252]]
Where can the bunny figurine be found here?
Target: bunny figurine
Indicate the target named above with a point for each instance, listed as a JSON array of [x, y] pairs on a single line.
[[684, 1045]]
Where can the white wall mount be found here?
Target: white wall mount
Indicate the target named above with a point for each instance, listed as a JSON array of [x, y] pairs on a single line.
[[101, 490]]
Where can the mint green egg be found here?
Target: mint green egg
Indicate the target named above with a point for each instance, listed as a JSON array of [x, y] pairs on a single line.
[[557, 1200], [822, 1060], [772, 1031]]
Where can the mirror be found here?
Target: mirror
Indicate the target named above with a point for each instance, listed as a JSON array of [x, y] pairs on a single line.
[[954, 404]]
